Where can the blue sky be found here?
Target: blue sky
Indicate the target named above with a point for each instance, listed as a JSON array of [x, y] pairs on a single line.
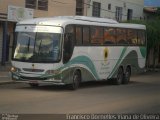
[[153, 3]]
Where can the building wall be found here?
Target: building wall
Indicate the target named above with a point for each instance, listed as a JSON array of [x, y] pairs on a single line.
[[4, 4], [62, 7], [135, 5], [55, 8], [58, 8]]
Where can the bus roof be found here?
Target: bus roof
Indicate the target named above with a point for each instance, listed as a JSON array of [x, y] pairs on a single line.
[[81, 20]]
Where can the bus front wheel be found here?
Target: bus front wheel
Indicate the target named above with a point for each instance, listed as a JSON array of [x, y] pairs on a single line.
[[76, 80]]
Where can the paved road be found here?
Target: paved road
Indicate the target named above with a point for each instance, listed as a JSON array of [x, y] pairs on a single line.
[[142, 95]]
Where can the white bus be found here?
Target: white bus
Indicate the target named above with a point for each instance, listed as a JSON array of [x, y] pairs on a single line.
[[68, 50]]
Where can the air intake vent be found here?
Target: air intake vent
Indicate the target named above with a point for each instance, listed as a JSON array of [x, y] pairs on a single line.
[[33, 70]]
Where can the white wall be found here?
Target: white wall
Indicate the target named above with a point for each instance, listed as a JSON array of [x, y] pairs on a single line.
[[135, 5]]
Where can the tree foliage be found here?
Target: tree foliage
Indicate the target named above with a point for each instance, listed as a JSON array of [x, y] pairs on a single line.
[[153, 31], [153, 34]]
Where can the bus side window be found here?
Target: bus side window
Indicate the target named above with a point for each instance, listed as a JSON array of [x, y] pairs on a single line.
[[109, 36], [78, 35], [121, 36], [86, 39], [97, 35], [141, 37], [68, 43], [132, 37]]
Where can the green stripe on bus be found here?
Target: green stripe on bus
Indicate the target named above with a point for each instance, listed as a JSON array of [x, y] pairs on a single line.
[[143, 51], [118, 62], [83, 60]]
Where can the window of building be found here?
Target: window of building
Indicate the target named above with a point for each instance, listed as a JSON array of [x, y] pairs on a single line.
[[79, 11], [109, 36], [121, 36], [132, 37], [96, 10], [109, 6], [79, 7], [78, 35], [86, 38], [129, 14], [43, 5], [37, 4], [118, 14], [30, 4], [97, 35]]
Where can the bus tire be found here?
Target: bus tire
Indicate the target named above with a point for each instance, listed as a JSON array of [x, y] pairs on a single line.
[[75, 80], [120, 76], [127, 75]]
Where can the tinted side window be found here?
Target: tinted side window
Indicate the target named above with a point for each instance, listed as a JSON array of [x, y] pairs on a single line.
[[70, 30], [121, 36], [97, 35], [109, 36], [69, 41], [132, 37], [141, 37], [86, 32], [78, 35]]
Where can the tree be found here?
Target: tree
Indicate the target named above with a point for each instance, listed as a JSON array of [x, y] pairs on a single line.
[[153, 35]]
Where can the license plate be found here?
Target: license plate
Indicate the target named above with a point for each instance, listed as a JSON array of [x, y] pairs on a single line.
[[33, 81]]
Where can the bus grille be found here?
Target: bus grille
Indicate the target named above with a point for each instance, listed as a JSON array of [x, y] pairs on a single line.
[[32, 78], [33, 70]]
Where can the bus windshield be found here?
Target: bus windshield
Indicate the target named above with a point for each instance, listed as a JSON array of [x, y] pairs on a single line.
[[37, 47]]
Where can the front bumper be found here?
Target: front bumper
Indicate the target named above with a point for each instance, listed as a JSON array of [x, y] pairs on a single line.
[[37, 80]]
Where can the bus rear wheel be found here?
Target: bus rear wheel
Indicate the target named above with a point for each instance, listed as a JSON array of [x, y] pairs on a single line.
[[76, 80], [127, 75], [120, 76]]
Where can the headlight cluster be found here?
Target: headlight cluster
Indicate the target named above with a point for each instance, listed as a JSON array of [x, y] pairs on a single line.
[[14, 69], [50, 72]]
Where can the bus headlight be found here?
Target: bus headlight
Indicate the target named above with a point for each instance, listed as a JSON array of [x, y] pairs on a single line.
[[14, 69], [51, 72]]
